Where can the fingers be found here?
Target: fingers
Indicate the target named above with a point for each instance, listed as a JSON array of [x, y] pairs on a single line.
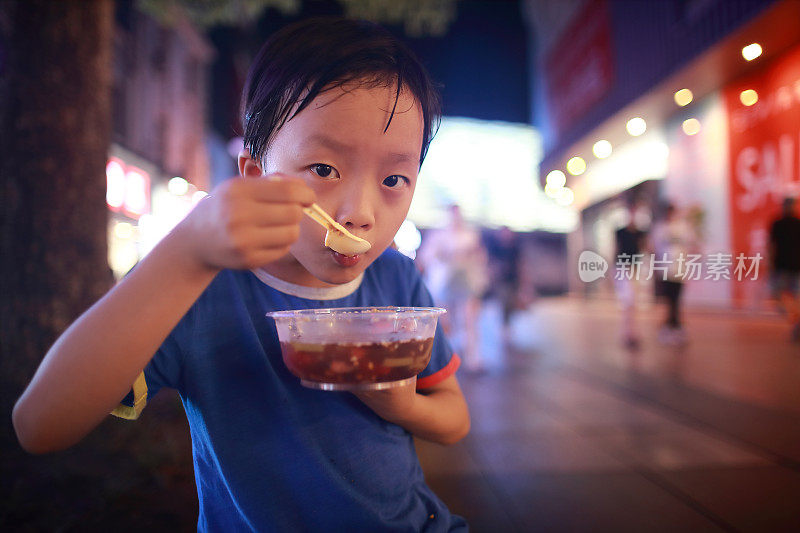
[[277, 188], [260, 215], [260, 239], [248, 222], [259, 246]]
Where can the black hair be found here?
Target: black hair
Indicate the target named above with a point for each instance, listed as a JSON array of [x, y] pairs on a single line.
[[304, 59]]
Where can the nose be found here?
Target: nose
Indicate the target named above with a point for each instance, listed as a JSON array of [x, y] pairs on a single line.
[[357, 207]]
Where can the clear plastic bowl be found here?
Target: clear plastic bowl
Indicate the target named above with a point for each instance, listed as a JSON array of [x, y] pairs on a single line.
[[356, 348]]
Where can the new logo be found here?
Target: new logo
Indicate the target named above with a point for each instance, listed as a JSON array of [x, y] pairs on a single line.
[[591, 266]]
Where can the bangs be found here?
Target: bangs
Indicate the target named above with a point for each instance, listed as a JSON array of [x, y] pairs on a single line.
[[297, 65]]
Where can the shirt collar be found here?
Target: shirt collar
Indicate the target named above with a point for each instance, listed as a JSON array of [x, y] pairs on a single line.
[[309, 293]]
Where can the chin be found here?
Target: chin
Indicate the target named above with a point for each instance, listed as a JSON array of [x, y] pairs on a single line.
[[325, 269], [338, 275]]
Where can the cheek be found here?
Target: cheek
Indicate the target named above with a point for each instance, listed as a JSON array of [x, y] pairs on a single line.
[[391, 218], [311, 234], [400, 210]]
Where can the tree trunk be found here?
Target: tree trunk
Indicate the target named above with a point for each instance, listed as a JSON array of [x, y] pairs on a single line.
[[55, 104], [55, 107]]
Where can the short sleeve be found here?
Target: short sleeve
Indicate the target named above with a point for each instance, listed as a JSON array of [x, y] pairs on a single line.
[[444, 362], [163, 370]]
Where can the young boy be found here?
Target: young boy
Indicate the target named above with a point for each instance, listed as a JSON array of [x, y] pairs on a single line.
[[336, 112]]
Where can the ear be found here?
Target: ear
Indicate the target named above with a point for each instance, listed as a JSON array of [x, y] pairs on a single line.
[[248, 167]]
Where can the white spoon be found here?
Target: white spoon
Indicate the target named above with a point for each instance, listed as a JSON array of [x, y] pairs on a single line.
[[338, 238]]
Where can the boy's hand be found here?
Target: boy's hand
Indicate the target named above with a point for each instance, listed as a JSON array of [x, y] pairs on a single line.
[[394, 405], [246, 222]]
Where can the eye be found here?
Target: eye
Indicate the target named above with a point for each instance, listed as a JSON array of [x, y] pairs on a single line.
[[324, 171], [396, 182]]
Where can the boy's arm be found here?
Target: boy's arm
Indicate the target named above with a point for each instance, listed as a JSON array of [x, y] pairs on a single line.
[[438, 413], [94, 362], [245, 223]]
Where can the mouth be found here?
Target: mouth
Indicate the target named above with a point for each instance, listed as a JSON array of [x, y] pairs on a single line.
[[345, 260]]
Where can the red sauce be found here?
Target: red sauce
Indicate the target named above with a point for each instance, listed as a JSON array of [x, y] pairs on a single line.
[[356, 364]]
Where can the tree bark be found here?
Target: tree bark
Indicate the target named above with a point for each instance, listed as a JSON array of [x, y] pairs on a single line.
[[55, 105], [55, 108]]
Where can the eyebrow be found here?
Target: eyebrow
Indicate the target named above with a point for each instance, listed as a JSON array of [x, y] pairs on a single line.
[[337, 146], [327, 142]]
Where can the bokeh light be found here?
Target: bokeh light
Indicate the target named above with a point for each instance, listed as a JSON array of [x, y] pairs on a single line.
[[576, 166], [751, 51], [684, 97], [565, 196], [636, 126], [748, 97], [602, 149], [178, 186], [691, 126], [556, 179]]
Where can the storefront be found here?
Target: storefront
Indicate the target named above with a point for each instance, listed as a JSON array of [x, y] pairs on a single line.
[[128, 198], [719, 138], [764, 152], [144, 205]]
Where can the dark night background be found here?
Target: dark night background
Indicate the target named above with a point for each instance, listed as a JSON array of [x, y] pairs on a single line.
[[481, 63]]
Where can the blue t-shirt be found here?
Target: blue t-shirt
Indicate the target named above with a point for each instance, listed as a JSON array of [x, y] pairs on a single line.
[[272, 455]]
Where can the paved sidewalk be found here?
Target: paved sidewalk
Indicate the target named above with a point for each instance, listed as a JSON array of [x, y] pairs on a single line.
[[571, 432]]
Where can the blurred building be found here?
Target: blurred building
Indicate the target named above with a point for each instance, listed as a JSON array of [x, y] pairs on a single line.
[[692, 101], [159, 130]]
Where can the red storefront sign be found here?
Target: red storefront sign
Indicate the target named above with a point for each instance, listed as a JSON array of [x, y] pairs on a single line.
[[580, 68], [127, 188], [764, 152]]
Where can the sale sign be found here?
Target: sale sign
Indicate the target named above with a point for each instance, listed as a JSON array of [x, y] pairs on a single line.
[[764, 133]]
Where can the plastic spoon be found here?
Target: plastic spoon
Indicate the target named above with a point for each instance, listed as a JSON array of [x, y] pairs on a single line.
[[337, 238]]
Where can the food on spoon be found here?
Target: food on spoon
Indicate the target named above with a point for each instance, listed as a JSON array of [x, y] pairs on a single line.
[[337, 241], [337, 237]]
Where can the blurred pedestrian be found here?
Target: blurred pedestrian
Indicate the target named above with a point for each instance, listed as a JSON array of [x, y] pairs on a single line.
[[784, 240], [503, 248], [673, 239], [454, 263], [629, 243]]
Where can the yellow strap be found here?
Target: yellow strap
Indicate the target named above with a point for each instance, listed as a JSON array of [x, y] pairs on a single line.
[[139, 401]]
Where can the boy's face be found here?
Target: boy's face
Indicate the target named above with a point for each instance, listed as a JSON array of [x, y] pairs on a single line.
[[364, 178]]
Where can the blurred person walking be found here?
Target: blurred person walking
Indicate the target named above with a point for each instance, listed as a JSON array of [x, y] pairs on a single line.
[[673, 239], [503, 248], [454, 264], [629, 244], [784, 251]]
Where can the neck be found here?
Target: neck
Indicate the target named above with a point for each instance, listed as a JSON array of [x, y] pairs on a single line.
[[291, 270]]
